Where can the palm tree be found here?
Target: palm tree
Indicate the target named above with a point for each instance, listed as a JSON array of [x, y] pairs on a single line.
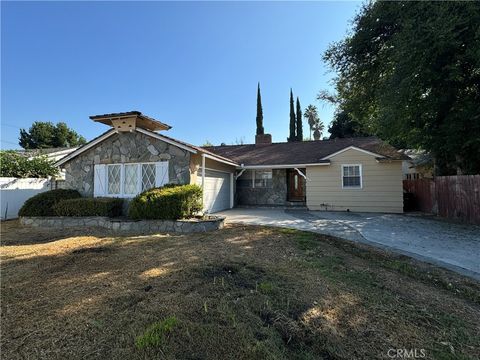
[[318, 130], [311, 114]]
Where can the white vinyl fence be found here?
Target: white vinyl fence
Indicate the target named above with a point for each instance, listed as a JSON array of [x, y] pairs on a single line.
[[14, 192]]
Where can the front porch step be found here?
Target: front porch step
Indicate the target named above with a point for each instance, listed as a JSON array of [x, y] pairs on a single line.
[[296, 208], [295, 204]]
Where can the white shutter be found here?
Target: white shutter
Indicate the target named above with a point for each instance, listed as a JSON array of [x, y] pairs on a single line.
[[100, 180], [161, 173]]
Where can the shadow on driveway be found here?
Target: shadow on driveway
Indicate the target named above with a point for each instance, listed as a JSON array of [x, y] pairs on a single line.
[[454, 246]]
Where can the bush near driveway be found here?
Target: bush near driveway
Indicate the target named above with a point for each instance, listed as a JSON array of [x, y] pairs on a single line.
[[170, 202], [43, 204], [110, 207]]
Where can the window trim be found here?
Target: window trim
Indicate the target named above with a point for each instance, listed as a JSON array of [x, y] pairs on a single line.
[[122, 179], [361, 177], [253, 179]]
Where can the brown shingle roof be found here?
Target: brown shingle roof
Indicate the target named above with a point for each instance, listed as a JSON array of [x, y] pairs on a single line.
[[306, 152]]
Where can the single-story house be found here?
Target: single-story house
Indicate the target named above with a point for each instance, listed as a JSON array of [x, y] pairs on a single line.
[[355, 174]]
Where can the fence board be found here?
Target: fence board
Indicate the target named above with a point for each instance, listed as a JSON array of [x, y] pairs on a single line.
[[456, 197], [423, 190]]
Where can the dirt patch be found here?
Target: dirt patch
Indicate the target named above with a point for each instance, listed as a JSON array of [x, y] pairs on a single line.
[[239, 293]]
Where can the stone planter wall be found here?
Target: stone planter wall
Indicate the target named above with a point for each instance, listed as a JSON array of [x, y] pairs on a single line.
[[121, 225]]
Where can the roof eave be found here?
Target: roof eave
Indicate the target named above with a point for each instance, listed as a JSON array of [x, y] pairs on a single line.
[[284, 166]]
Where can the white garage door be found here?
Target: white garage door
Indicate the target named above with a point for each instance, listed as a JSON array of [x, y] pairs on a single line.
[[217, 190]]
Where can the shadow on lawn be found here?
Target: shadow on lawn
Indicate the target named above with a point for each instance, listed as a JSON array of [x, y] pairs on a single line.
[[244, 292]]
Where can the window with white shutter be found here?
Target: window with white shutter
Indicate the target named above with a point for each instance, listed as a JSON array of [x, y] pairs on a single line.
[[128, 180], [161, 176], [99, 180]]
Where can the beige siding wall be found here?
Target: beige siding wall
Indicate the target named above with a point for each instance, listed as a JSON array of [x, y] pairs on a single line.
[[381, 192], [196, 163]]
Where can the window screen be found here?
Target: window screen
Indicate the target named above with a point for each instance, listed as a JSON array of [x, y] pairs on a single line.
[[351, 176]]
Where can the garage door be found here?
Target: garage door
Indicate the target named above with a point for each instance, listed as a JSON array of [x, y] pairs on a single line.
[[217, 190]]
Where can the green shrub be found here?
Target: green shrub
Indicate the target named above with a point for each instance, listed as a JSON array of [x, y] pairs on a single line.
[[169, 202], [89, 207], [155, 333], [42, 204], [13, 164]]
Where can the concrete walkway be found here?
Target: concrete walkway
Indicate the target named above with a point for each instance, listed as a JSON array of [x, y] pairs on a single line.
[[453, 246]]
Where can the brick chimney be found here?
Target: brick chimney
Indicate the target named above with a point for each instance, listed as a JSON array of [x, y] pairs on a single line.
[[263, 139]]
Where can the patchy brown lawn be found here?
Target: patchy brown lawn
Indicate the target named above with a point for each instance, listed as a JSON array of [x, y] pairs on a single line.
[[238, 293]]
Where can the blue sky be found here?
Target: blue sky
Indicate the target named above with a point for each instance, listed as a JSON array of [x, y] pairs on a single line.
[[194, 66]]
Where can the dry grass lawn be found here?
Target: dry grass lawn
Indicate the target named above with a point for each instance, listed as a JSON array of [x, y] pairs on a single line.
[[238, 293]]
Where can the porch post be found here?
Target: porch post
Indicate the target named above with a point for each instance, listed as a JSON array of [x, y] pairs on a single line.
[[231, 191]]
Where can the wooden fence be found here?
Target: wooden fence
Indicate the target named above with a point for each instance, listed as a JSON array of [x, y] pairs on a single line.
[[456, 197]]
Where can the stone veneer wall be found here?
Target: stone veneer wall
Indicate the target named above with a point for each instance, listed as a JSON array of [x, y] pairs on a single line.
[[140, 226], [125, 148], [276, 195]]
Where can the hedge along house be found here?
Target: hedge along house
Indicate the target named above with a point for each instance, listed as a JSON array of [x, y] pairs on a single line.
[[357, 174], [134, 155]]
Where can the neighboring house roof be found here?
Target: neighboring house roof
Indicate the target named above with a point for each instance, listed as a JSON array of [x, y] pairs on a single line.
[[50, 153], [304, 152], [418, 158]]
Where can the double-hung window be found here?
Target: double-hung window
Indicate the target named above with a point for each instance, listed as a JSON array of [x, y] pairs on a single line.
[[352, 176]]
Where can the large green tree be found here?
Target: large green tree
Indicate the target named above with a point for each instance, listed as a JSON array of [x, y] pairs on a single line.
[[260, 130], [410, 73], [343, 126], [299, 121], [293, 132], [43, 135]]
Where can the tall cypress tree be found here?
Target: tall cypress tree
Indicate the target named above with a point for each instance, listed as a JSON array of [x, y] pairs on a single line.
[[259, 112], [293, 136], [299, 121]]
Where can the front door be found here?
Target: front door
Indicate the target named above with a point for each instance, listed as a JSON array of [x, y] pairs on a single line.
[[296, 186]]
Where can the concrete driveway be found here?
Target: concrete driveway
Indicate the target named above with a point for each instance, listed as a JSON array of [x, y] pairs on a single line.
[[453, 246]]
